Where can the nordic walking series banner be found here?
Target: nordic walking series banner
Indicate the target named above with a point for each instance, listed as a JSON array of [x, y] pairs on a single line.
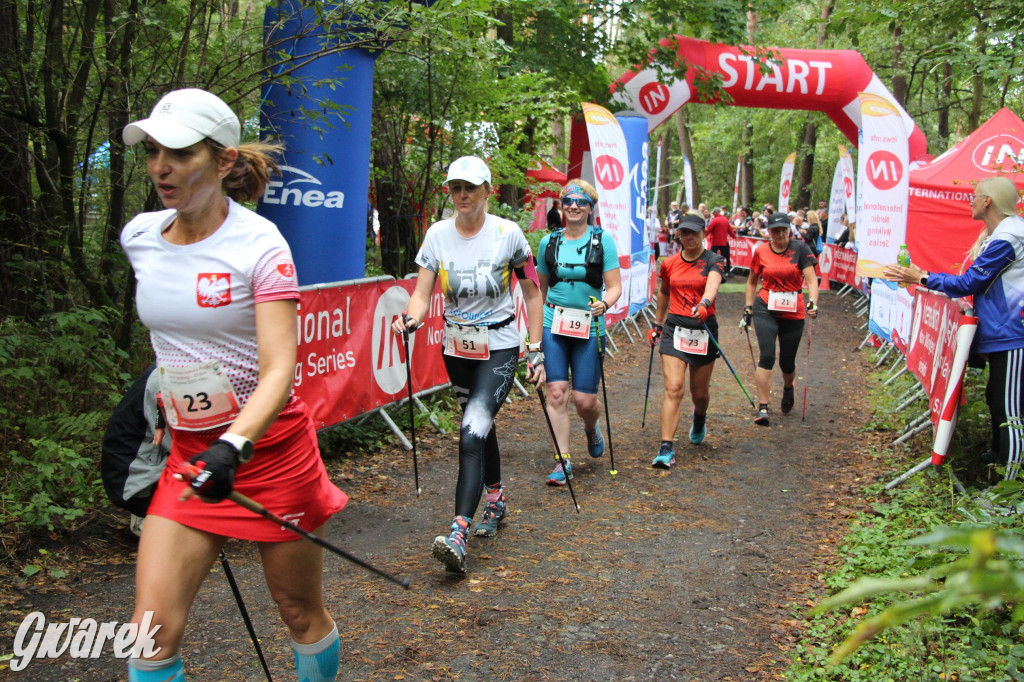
[[350, 362], [786, 182], [933, 343], [611, 163], [882, 185], [849, 182]]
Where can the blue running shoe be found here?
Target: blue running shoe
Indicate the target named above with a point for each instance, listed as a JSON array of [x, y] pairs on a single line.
[[558, 476], [665, 459], [451, 550], [595, 441], [493, 514], [697, 437]]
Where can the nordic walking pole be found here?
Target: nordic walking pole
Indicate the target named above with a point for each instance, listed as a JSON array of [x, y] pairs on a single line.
[[190, 471], [728, 364], [810, 327], [554, 441], [604, 390], [412, 416], [245, 614], [647, 393], [751, 347]]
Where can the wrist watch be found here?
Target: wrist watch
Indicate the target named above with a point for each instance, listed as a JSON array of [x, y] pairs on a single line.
[[241, 444], [924, 279], [533, 346]]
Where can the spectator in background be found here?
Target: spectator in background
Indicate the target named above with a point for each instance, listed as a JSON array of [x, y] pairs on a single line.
[[703, 210], [719, 230], [812, 232], [996, 280], [554, 217]]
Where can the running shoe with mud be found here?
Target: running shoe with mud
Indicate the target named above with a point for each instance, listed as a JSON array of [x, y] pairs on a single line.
[[762, 417], [665, 458], [451, 550]]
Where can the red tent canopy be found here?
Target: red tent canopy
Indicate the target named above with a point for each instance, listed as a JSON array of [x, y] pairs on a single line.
[[542, 171], [940, 229]]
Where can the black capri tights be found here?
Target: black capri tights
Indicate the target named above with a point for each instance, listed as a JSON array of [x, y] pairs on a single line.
[[481, 387], [768, 328]]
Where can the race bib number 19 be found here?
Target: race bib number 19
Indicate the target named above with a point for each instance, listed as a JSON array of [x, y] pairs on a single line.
[[466, 342], [571, 322], [201, 396]]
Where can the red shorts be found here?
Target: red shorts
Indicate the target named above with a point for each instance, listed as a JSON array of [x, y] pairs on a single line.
[[286, 475]]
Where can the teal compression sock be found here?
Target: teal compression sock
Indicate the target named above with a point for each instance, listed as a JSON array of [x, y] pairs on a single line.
[[167, 670], [318, 662]]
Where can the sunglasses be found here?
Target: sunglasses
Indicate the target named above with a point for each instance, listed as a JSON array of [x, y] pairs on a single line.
[[576, 201]]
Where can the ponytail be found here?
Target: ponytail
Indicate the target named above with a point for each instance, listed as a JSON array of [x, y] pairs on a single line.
[[255, 163]]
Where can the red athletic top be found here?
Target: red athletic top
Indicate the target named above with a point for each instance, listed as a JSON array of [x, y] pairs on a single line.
[[782, 272], [686, 280], [719, 230]]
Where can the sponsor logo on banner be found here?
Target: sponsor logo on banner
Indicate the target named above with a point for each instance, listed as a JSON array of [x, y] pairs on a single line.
[[213, 289], [786, 186], [294, 190], [884, 169], [1001, 152], [598, 116], [609, 171], [825, 261], [388, 348], [654, 97]]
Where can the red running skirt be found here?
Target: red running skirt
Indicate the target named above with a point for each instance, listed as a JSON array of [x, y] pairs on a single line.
[[285, 475]]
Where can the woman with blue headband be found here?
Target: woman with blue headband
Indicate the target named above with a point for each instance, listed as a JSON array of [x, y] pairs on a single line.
[[574, 264]]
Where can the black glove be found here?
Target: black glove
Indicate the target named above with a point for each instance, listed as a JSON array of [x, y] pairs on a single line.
[[216, 466], [748, 317]]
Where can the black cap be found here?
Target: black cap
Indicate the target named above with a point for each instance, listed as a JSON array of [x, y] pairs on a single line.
[[778, 219], [691, 222]]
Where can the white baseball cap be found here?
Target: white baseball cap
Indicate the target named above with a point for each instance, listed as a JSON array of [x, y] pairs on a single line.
[[183, 117], [469, 168]]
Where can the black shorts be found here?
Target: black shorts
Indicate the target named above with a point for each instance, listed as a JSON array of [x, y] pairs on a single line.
[[666, 347]]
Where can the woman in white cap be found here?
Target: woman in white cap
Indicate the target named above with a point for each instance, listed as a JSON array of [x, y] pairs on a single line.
[[781, 265], [996, 280], [217, 289], [575, 264], [474, 255]]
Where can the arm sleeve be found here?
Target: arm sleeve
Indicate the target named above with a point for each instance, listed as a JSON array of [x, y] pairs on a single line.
[[990, 264]]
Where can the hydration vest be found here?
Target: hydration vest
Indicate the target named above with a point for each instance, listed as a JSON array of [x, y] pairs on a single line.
[[594, 262]]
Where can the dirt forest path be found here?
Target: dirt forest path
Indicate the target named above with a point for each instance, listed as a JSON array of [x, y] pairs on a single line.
[[687, 574]]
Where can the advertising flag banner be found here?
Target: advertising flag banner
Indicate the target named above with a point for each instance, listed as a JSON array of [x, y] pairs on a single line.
[[836, 204], [786, 182], [849, 182], [883, 185], [688, 182], [634, 131], [736, 187], [611, 176], [889, 316]]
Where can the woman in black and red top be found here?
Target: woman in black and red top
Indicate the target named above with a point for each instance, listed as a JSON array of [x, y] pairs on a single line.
[[778, 309], [686, 311]]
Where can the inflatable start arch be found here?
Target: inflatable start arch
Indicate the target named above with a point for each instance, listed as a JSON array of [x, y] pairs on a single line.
[[810, 80]]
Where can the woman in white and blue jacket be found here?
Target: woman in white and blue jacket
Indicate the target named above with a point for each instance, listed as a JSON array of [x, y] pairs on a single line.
[[996, 279]]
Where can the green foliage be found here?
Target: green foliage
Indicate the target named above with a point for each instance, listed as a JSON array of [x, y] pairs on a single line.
[[59, 377], [930, 586]]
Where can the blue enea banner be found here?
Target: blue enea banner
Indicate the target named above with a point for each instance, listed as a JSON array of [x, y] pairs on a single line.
[[634, 129], [320, 204]]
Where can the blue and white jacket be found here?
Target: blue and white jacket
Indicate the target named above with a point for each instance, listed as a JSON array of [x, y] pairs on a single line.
[[996, 279]]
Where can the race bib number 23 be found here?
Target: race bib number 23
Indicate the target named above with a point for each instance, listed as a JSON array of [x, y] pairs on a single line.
[[198, 397]]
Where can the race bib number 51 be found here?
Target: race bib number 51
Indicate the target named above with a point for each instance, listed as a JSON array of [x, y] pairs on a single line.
[[466, 342]]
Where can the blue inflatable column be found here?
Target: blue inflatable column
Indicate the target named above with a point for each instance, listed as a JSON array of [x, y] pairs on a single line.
[[320, 204], [634, 129]]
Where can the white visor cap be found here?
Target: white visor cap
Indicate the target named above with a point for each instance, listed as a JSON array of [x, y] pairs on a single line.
[[469, 168], [183, 117]]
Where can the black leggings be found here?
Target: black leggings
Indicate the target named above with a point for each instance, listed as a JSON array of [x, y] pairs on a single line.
[[1005, 395], [768, 328], [723, 251], [481, 387]]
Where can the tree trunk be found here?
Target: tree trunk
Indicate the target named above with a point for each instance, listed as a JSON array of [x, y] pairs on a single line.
[[978, 95], [558, 153], [899, 77], [747, 173], [665, 173], [683, 131], [806, 178], [947, 93]]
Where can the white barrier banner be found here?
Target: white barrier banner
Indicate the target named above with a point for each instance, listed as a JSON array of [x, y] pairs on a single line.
[[786, 182]]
